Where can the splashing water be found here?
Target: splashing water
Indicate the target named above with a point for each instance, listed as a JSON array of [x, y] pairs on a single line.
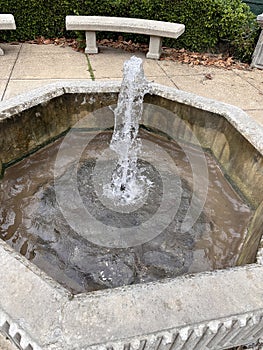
[[128, 184]]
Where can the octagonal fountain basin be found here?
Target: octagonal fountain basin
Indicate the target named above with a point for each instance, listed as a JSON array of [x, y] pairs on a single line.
[[178, 268]]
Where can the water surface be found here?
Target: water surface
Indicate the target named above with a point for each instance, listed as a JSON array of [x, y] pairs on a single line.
[[31, 222]]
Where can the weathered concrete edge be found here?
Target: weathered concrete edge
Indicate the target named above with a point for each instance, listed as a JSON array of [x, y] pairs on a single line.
[[248, 127], [43, 94], [26, 295], [77, 320], [177, 306], [259, 258], [192, 338]]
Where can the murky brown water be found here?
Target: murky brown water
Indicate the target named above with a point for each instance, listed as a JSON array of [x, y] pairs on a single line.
[[31, 222]]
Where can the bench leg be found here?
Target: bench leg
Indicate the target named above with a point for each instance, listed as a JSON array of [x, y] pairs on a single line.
[[257, 58], [155, 47], [91, 46], [1, 52]]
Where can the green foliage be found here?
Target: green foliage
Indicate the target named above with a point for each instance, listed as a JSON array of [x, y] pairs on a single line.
[[210, 24]]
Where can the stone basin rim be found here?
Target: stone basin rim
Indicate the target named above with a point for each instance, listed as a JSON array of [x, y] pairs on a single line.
[[47, 297], [64, 334], [247, 126]]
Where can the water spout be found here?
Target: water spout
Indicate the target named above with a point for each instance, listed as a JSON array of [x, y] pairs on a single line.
[[128, 183]]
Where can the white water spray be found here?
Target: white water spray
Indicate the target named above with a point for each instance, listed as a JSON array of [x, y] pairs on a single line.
[[128, 184]]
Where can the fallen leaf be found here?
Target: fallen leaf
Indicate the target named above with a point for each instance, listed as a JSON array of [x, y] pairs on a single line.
[[208, 76], [169, 54]]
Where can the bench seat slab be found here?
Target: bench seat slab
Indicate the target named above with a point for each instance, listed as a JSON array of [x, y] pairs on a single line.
[[7, 22], [156, 29]]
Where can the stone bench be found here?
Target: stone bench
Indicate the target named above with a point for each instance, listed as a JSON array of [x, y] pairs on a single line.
[[7, 22], [257, 59], [156, 29]]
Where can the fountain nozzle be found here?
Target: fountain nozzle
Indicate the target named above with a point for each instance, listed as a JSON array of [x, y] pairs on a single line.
[[122, 188]]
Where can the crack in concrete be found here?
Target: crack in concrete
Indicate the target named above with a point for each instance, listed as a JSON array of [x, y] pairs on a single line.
[[91, 72], [10, 75], [168, 76]]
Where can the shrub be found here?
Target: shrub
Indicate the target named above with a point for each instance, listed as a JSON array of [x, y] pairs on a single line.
[[210, 24]]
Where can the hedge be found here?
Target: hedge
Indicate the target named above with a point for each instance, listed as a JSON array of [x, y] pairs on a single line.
[[210, 24], [256, 6]]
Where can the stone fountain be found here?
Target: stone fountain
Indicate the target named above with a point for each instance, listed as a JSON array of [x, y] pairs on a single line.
[[198, 303]]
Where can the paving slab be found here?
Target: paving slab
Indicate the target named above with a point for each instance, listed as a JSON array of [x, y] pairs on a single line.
[[7, 61], [228, 87], [6, 67], [50, 62], [39, 50], [172, 68], [254, 77], [164, 80], [256, 115], [3, 84], [109, 63]]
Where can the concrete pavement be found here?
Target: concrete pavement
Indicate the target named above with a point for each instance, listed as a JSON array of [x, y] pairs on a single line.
[[27, 66]]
